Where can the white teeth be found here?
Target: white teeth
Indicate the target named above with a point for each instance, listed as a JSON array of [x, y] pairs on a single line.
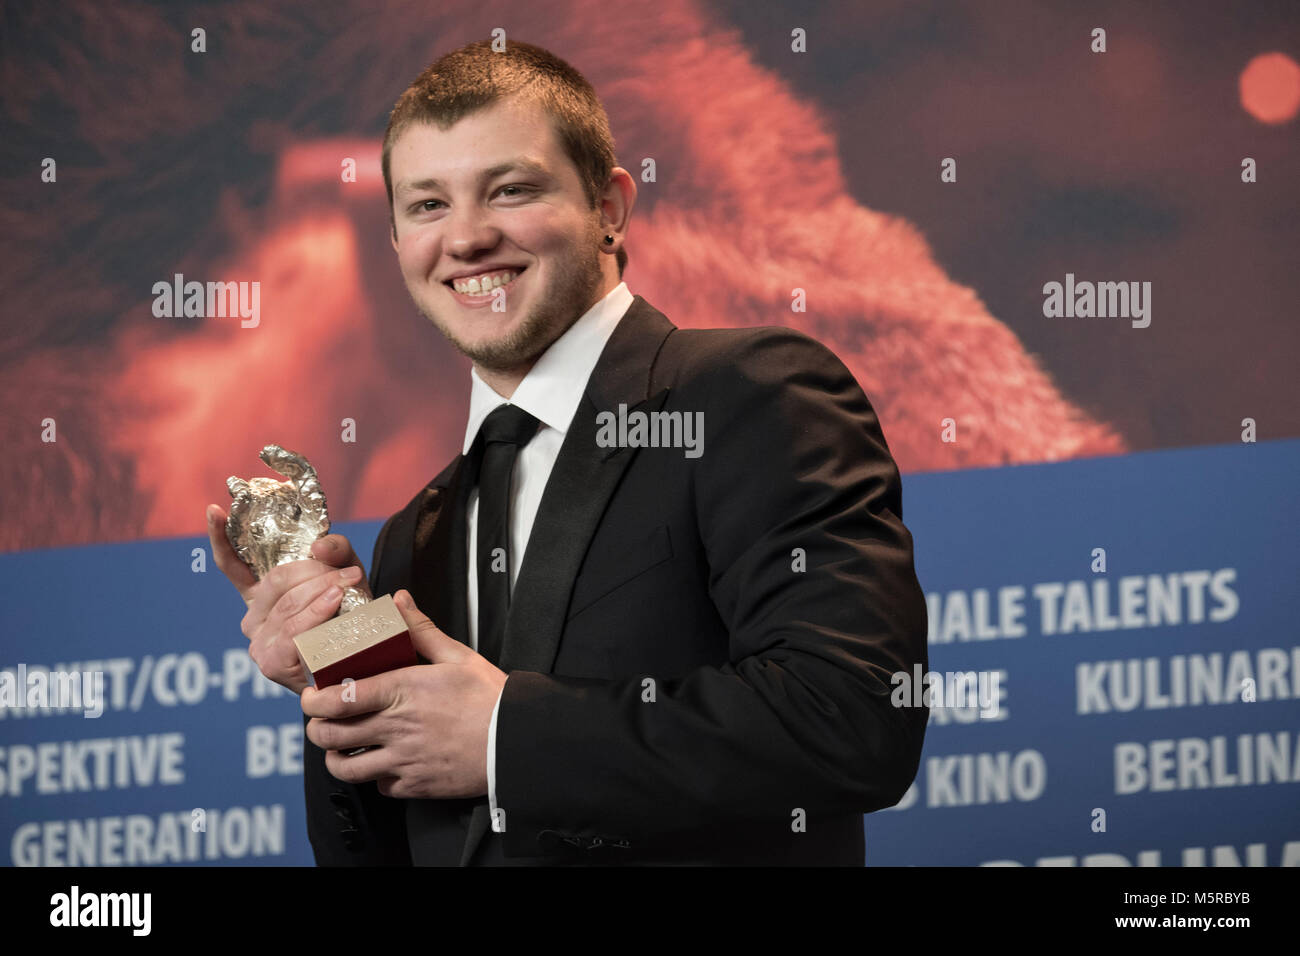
[[483, 284]]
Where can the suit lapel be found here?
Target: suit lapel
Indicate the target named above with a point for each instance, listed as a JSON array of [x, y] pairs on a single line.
[[580, 485], [437, 582], [439, 560], [579, 488]]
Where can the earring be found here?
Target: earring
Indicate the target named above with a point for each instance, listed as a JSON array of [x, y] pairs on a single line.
[[609, 240]]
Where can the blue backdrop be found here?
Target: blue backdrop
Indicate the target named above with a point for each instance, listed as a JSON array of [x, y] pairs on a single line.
[[1124, 732]]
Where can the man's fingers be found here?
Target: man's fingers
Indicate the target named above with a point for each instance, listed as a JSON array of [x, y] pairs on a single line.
[[346, 733], [282, 579], [361, 768], [315, 600], [224, 555], [369, 695], [334, 550], [429, 641]]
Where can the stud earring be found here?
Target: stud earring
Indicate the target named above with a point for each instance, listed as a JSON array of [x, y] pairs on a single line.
[[609, 240]]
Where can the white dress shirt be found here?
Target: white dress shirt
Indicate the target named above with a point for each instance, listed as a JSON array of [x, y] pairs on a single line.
[[551, 393]]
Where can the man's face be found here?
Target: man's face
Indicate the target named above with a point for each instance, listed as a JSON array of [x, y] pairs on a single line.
[[458, 209]]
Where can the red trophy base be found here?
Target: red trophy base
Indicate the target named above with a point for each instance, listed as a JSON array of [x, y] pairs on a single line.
[[364, 642]]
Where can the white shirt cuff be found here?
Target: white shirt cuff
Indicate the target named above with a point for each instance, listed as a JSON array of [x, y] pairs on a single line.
[[492, 763]]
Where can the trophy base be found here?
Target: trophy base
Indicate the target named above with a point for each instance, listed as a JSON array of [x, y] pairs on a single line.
[[361, 643]]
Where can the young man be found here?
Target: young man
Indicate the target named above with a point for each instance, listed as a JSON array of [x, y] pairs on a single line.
[[663, 590]]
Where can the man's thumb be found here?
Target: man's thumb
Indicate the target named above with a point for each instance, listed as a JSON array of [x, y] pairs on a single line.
[[429, 642]]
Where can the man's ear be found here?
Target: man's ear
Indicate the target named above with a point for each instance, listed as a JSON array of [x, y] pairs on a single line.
[[392, 232], [617, 201]]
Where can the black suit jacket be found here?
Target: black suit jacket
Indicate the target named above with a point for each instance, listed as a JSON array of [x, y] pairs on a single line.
[[699, 649]]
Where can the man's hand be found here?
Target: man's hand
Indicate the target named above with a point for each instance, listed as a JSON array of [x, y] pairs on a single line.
[[292, 598], [428, 723]]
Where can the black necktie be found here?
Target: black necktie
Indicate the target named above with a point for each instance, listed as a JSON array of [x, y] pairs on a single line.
[[503, 433]]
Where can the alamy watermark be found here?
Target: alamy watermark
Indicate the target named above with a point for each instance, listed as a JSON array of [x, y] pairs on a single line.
[[40, 689], [130, 910], [198, 300], [1103, 300], [959, 689], [651, 430]]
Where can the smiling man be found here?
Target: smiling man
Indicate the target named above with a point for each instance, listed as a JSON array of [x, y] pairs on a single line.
[[522, 220], [629, 653]]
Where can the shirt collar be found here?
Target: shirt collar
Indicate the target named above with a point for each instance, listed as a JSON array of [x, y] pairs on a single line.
[[554, 386]]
